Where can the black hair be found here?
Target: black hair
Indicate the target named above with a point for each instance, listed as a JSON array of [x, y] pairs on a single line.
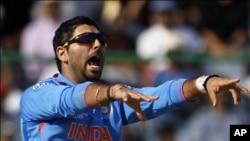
[[66, 30]]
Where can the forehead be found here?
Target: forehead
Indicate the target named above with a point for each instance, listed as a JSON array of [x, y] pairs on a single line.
[[84, 29]]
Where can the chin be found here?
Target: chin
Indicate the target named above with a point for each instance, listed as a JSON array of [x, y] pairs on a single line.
[[94, 77]]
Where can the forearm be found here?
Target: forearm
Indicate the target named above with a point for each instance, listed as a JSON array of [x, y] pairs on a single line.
[[96, 95], [190, 90]]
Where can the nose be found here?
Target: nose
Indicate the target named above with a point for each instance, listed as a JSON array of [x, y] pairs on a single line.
[[97, 44]]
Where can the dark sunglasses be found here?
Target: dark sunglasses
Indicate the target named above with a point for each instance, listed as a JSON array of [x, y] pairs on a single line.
[[87, 38]]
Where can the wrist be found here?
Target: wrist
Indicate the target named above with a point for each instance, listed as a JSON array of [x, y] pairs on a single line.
[[110, 93], [208, 78], [201, 82]]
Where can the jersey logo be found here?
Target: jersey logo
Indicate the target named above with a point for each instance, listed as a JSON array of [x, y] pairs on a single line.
[[39, 85], [92, 133], [107, 111]]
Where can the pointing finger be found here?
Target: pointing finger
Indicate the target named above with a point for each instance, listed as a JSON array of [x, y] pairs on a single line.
[[233, 81], [236, 96]]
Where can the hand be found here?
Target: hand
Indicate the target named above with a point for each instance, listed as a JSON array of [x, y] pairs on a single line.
[[217, 85], [131, 98]]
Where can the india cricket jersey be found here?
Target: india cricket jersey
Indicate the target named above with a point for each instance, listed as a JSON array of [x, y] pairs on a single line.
[[54, 110]]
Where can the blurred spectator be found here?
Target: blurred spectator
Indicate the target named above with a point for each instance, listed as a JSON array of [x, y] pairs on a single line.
[[192, 41], [246, 80], [222, 65], [159, 38], [212, 124], [167, 32], [14, 16], [163, 128], [161, 32], [92, 9], [223, 28], [36, 45], [133, 132], [10, 98], [223, 25], [119, 21], [37, 35], [122, 21], [122, 72]]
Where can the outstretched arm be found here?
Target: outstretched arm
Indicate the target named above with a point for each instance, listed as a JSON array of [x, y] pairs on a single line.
[[99, 94], [213, 86]]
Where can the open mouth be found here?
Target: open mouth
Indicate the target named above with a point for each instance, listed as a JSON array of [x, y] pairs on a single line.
[[94, 63]]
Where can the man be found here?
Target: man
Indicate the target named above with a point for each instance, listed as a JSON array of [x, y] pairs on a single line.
[[76, 105]]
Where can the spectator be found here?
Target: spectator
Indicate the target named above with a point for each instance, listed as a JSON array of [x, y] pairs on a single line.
[[10, 98], [208, 124], [158, 39], [223, 25], [36, 45], [167, 32]]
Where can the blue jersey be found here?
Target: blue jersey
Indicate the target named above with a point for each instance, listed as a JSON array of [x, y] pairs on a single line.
[[54, 109]]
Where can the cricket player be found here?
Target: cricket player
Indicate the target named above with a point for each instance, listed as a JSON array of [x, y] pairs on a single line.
[[76, 105]]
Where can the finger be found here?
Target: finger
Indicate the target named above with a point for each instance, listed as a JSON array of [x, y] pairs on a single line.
[[228, 83], [236, 96], [139, 96], [140, 115], [125, 96], [243, 89], [232, 81], [213, 97], [149, 98]]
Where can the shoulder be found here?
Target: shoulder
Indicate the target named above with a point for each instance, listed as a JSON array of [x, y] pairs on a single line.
[[46, 84]]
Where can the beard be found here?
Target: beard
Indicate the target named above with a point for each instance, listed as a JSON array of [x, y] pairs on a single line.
[[93, 78], [92, 75]]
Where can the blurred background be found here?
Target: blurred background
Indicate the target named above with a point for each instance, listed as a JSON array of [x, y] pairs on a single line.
[[149, 42]]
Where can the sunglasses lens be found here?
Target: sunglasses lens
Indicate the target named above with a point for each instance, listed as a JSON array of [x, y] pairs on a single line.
[[87, 38], [102, 39]]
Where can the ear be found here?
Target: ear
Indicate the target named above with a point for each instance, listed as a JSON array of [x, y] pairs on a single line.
[[62, 53]]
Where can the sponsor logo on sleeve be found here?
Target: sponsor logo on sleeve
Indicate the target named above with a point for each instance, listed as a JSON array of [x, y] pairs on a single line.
[[39, 85]]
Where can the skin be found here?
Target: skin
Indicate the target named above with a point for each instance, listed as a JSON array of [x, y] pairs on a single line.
[[75, 67], [75, 61]]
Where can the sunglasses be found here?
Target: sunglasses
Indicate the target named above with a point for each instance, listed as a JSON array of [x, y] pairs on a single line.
[[87, 38]]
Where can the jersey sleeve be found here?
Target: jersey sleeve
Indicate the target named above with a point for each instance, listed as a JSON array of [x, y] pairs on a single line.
[[170, 95], [48, 100]]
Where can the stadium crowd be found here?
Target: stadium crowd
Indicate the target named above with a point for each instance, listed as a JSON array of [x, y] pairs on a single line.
[[169, 39]]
